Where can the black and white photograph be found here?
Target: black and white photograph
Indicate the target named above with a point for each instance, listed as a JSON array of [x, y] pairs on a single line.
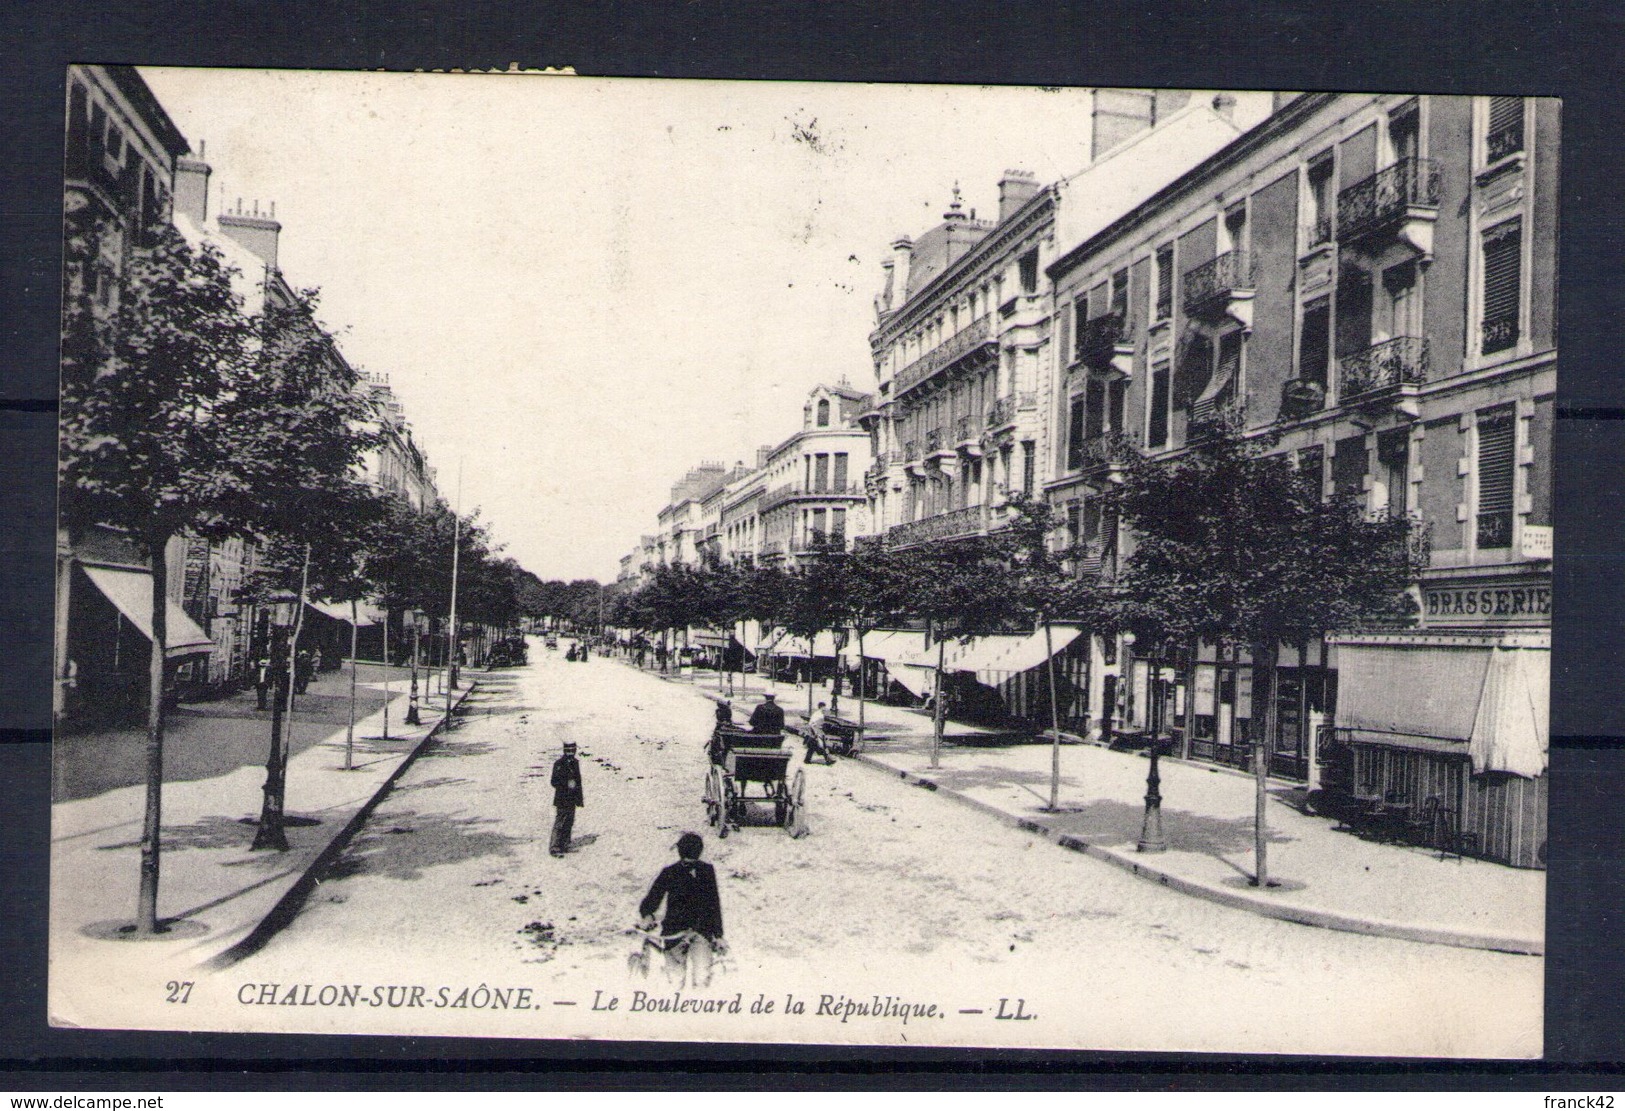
[[660, 560]]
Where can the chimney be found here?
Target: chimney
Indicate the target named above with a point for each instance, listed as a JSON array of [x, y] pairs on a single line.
[[1016, 188], [192, 189], [1225, 105], [883, 300], [902, 253], [254, 230]]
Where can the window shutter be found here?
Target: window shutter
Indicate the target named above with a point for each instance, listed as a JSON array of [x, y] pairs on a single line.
[[1074, 435], [1496, 466], [1504, 135], [1165, 281], [1503, 259], [1314, 346], [1157, 433]]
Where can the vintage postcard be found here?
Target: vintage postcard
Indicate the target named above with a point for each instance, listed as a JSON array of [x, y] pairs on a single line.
[[556, 557]]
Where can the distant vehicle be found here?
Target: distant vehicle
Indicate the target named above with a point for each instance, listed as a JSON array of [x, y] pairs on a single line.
[[508, 653], [553, 642]]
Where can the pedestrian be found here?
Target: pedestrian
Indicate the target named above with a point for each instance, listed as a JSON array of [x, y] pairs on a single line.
[[262, 679], [725, 713], [303, 667], [768, 717], [691, 933], [566, 797], [815, 735]]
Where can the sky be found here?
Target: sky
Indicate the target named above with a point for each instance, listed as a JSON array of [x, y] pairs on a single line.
[[582, 287]]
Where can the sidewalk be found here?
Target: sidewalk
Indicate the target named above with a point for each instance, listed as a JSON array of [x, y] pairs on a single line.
[[220, 898], [1326, 877]]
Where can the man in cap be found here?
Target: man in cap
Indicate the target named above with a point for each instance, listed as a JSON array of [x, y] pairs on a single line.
[[566, 797], [691, 933], [768, 717]]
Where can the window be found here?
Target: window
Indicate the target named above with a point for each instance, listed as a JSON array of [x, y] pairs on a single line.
[[1119, 299], [1028, 266], [1027, 465], [1235, 226], [1091, 520], [818, 533], [1165, 281], [1229, 370], [1503, 261], [1404, 133], [840, 471], [1321, 204], [1157, 427], [1348, 467], [1496, 466], [837, 526], [1314, 341], [1095, 414], [821, 473], [1504, 133], [1080, 316], [1075, 434], [1312, 466], [1073, 518], [823, 413], [1393, 462]]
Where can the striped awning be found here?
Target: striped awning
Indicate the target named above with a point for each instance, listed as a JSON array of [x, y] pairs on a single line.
[[131, 593]]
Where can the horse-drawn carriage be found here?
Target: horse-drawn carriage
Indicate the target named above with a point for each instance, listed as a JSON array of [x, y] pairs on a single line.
[[752, 770]]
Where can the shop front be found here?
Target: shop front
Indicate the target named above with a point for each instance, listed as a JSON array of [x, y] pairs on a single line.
[[1452, 722]]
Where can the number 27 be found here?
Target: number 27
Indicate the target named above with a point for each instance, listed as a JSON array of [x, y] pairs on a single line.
[[178, 990]]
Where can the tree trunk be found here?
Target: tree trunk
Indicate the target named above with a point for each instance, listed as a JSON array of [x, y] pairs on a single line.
[[1055, 721], [810, 672], [386, 673], [1264, 660], [937, 709], [349, 730], [152, 819], [861, 685]]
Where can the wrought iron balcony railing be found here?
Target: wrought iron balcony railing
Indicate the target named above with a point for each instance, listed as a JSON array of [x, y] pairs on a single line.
[[933, 441], [1217, 279], [1004, 410], [822, 540], [1396, 362], [941, 526], [911, 451], [968, 339], [1369, 206], [1098, 339], [965, 429], [1110, 449], [791, 492]]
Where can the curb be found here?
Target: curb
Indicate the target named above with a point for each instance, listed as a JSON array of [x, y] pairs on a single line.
[[286, 907], [1306, 916]]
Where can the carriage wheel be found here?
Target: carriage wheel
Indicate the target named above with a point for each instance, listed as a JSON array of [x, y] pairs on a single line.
[[732, 805], [781, 805], [795, 818], [715, 814]]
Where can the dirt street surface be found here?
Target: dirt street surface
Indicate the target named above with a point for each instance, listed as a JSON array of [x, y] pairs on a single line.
[[894, 892]]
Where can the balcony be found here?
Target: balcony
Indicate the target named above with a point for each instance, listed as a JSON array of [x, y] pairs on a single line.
[[771, 548], [1006, 409], [935, 445], [1105, 454], [800, 491], [1386, 372], [943, 526], [968, 435], [1223, 286], [976, 339], [1394, 206], [1103, 344], [1301, 397], [821, 540]]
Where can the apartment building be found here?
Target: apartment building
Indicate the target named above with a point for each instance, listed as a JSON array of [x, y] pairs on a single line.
[[1370, 279]]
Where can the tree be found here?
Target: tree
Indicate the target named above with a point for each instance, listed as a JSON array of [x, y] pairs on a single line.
[[876, 594], [1232, 545], [962, 589], [1042, 587], [174, 421]]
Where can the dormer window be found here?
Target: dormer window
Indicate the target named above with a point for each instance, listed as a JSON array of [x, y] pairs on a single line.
[[823, 413]]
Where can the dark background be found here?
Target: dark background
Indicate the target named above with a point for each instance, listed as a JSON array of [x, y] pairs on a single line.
[[1569, 50]]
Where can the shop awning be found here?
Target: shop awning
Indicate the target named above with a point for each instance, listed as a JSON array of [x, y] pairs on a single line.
[[131, 593], [823, 645], [894, 647], [709, 640], [1510, 733], [1011, 655], [340, 611], [1479, 697]]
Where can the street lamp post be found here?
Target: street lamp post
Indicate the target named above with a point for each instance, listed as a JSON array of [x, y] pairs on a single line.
[[839, 636], [1151, 837], [412, 717], [284, 611]]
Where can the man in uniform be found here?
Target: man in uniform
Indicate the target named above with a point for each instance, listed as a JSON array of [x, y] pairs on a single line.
[[566, 797]]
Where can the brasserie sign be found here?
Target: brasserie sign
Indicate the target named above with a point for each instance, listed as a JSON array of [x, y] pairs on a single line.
[[1525, 601]]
